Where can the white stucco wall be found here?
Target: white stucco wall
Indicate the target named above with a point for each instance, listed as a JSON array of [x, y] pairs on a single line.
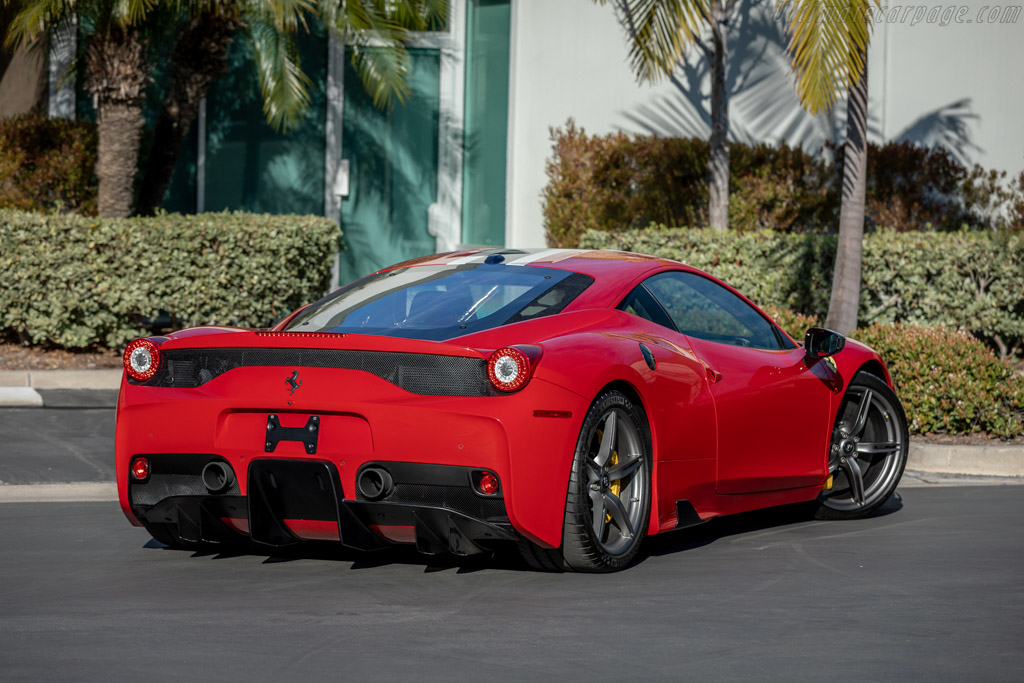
[[961, 85]]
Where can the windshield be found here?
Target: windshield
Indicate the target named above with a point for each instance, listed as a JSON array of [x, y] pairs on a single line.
[[441, 302]]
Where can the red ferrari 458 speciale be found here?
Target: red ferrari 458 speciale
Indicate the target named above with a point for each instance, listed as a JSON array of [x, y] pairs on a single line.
[[572, 402]]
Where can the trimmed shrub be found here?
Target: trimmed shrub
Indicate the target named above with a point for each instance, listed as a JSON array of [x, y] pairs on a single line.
[[622, 182], [75, 281], [970, 280], [910, 187], [795, 324], [948, 381], [47, 164]]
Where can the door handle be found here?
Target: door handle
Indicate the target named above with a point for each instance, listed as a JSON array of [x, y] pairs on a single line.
[[713, 375]]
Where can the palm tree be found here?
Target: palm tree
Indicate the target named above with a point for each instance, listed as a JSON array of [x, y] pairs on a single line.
[[828, 46], [376, 29], [117, 69], [660, 33], [116, 75]]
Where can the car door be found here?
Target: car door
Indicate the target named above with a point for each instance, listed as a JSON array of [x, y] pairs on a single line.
[[772, 411]]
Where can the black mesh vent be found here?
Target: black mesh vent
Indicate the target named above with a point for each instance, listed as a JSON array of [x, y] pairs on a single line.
[[160, 486], [425, 374], [458, 498], [173, 475]]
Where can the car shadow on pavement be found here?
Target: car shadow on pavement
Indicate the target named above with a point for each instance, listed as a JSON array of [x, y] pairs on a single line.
[[500, 558], [506, 557], [744, 523]]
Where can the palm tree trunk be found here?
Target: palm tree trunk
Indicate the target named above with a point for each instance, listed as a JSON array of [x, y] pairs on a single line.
[[117, 77], [845, 299], [198, 58], [718, 159], [119, 127]]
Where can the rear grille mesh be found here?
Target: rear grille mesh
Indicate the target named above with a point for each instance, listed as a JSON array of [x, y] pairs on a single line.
[[425, 374], [458, 498]]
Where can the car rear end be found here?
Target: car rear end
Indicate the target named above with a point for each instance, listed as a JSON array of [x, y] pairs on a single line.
[[336, 427]]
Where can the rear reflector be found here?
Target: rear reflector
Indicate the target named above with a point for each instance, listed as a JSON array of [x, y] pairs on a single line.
[[140, 469], [552, 413], [488, 484]]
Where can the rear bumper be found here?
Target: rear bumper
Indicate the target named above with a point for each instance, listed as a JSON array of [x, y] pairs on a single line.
[[291, 501], [362, 419]]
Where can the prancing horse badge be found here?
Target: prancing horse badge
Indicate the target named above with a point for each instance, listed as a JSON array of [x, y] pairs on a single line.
[[293, 382]]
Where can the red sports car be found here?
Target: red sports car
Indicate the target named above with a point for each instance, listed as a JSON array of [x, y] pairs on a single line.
[[572, 402]]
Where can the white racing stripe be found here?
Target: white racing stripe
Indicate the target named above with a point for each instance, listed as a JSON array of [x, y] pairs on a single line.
[[105, 491], [538, 256]]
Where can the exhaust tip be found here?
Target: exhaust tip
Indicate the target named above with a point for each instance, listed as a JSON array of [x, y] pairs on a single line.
[[217, 477], [374, 483]]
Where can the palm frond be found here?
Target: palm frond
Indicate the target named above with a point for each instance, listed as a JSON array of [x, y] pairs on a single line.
[[384, 71], [284, 86], [287, 15], [419, 15], [131, 12], [364, 18], [660, 32], [827, 41], [376, 31], [37, 17]]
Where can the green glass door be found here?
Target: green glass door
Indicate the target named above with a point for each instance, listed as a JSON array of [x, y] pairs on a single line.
[[392, 160]]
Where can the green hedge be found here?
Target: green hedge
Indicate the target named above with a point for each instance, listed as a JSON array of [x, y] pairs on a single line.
[[966, 279], [75, 281], [949, 382]]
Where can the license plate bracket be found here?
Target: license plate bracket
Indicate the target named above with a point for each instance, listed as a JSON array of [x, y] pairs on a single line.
[[307, 435]]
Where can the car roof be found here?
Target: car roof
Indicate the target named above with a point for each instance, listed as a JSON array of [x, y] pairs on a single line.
[[593, 262]]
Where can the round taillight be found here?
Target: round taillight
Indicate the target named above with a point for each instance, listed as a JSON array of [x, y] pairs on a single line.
[[140, 469], [488, 484], [141, 359], [508, 369]]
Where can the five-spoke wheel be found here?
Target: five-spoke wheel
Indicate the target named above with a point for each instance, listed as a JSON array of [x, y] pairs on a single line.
[[608, 503], [868, 451]]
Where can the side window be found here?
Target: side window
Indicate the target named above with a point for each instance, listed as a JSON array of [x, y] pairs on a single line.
[[704, 309], [640, 303]]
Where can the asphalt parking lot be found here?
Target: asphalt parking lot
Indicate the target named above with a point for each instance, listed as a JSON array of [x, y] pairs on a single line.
[[931, 589]]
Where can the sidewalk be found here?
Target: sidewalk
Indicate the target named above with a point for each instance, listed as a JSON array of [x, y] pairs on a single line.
[[59, 388], [98, 389]]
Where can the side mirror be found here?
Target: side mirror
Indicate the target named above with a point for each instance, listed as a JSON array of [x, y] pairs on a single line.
[[819, 342]]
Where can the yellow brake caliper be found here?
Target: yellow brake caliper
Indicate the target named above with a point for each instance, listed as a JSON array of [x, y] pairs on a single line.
[[615, 486]]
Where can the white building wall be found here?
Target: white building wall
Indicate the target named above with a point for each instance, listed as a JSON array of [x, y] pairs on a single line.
[[961, 85]]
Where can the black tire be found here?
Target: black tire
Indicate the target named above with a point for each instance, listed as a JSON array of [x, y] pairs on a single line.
[[869, 443], [608, 540]]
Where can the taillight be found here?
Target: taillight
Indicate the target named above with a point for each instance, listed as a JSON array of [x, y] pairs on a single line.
[[141, 359], [508, 369]]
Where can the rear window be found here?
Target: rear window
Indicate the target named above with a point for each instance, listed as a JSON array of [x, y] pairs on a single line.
[[441, 302]]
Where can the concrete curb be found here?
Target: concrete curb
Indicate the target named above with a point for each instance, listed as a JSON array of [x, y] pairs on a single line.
[[105, 491], [61, 379], [989, 461], [20, 396]]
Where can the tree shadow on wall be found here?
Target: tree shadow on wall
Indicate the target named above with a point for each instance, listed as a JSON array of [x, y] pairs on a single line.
[[764, 107], [948, 126]]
